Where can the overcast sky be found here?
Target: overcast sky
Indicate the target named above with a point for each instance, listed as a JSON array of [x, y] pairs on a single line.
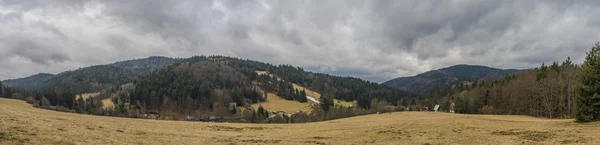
[[375, 39]]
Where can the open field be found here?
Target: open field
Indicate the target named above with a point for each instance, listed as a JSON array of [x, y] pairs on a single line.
[[276, 103], [21, 123]]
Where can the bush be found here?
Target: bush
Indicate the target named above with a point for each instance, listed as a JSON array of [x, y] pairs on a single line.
[[31, 100], [36, 105], [45, 103], [400, 108]]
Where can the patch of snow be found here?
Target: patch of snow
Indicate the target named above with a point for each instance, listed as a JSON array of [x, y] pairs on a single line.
[[313, 99]]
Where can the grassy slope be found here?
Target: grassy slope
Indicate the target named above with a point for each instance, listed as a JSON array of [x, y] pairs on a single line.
[[297, 106], [276, 103], [21, 123]]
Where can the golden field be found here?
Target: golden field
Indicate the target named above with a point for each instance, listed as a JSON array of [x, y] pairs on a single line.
[[276, 103], [22, 124]]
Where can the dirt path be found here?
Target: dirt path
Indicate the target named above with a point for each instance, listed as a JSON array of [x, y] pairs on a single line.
[[21, 123]]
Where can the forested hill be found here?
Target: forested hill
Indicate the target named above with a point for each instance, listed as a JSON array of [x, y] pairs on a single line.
[[146, 65], [546, 91], [423, 83], [210, 82], [207, 86], [343, 88], [30, 82], [89, 79], [138, 66]]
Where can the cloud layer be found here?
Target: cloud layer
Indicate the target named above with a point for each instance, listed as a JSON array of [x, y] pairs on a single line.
[[374, 40]]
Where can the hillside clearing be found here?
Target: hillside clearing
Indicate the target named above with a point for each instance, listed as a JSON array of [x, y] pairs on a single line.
[[106, 103], [276, 103], [87, 95], [310, 92], [21, 123]]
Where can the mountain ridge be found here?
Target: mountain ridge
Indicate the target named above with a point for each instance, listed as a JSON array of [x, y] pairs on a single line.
[[137, 66], [29, 82], [424, 82]]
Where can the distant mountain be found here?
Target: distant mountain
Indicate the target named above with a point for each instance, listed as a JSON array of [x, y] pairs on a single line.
[[422, 83], [146, 65], [135, 66], [30, 82], [89, 79]]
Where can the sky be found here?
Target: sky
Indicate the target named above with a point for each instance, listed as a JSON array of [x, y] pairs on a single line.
[[376, 40]]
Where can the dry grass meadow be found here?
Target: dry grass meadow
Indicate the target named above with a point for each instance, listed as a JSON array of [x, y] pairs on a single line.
[[22, 124], [276, 103]]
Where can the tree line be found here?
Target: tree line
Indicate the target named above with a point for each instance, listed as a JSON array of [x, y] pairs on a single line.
[[545, 91], [558, 90]]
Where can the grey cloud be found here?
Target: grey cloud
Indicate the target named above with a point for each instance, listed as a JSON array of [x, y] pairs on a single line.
[[38, 51], [374, 40]]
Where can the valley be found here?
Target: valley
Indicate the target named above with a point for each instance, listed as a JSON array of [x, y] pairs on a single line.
[[416, 72]]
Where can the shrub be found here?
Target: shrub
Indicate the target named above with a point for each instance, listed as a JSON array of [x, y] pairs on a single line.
[[31, 100], [45, 103], [36, 105]]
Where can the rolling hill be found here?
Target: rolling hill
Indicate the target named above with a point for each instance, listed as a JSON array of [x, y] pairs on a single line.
[[29, 83], [137, 66], [146, 65], [424, 82], [22, 124], [203, 86], [89, 79], [212, 82]]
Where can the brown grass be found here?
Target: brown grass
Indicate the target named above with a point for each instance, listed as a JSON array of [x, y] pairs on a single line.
[[87, 95], [309, 92], [22, 124], [276, 103], [312, 93]]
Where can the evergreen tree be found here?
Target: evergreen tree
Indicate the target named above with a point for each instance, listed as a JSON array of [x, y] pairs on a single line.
[[364, 102], [568, 62], [254, 118], [542, 72], [302, 96], [1, 89], [587, 102], [326, 102]]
